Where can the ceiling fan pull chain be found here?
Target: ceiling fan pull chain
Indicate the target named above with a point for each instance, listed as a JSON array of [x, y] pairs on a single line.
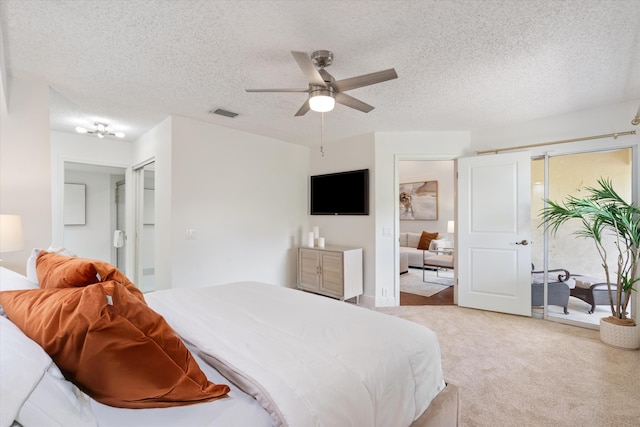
[[322, 133]]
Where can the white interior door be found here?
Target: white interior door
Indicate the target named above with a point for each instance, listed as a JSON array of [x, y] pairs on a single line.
[[494, 230], [145, 226]]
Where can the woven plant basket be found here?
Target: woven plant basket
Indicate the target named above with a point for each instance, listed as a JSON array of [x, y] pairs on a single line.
[[617, 335]]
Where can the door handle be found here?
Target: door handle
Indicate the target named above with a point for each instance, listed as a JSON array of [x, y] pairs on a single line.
[[522, 242]]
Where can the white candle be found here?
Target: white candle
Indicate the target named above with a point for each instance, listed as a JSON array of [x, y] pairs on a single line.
[[316, 232], [310, 239], [321, 242]]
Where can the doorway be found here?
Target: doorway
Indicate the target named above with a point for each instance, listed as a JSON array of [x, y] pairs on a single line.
[[569, 175], [433, 212], [91, 211]]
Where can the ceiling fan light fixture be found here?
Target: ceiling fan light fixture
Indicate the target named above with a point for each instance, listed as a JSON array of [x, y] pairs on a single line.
[[101, 130], [322, 100]]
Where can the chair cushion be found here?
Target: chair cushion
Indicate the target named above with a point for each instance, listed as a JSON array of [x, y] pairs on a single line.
[[585, 282], [538, 278], [444, 261]]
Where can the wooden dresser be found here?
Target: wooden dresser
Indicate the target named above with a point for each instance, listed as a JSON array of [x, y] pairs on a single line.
[[334, 271]]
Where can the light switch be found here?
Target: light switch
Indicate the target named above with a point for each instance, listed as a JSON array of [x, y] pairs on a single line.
[[190, 234]]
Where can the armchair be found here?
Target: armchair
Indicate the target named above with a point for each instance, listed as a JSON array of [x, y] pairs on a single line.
[[558, 288], [443, 258], [593, 291]]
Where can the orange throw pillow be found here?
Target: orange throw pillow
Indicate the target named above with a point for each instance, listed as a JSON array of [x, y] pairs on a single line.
[[425, 240], [60, 271], [111, 345]]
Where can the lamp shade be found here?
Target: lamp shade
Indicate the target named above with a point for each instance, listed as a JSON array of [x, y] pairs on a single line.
[[322, 101], [11, 233], [451, 226]]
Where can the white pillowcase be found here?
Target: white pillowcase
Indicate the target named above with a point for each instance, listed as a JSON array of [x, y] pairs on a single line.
[[22, 365], [33, 390], [12, 281], [56, 402], [31, 265]]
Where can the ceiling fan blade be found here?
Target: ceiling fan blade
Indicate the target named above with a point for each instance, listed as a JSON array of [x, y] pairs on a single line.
[[309, 70], [352, 102], [304, 109], [365, 80], [278, 90]]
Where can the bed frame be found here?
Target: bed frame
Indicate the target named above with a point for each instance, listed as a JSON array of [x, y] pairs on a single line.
[[443, 411]]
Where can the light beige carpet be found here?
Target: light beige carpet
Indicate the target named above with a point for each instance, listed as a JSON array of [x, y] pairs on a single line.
[[518, 371]]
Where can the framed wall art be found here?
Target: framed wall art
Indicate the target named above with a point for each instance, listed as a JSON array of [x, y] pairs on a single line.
[[74, 204], [419, 200]]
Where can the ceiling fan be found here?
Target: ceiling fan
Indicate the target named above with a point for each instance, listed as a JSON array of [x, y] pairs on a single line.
[[324, 91]]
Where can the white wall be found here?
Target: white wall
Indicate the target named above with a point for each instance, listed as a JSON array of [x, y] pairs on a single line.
[[244, 195], [431, 170], [77, 148], [346, 230], [25, 172], [598, 121]]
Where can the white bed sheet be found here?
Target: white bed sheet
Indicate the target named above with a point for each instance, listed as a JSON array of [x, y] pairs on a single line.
[[307, 359]]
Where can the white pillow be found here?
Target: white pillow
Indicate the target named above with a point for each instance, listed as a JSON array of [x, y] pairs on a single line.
[[11, 281], [31, 265], [439, 244], [57, 402], [33, 390], [22, 365]]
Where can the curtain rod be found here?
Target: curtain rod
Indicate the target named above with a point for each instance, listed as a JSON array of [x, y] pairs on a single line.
[[586, 138]]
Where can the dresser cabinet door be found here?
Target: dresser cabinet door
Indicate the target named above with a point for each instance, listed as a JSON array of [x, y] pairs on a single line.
[[309, 265], [332, 274]]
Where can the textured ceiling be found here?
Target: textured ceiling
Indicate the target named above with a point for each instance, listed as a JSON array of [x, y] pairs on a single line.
[[462, 65]]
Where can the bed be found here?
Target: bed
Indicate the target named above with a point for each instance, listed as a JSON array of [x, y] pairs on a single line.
[[288, 358]]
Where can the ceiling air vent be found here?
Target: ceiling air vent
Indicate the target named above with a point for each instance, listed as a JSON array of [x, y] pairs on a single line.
[[222, 112]]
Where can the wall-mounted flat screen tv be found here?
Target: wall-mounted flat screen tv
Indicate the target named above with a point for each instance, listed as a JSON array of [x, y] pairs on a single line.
[[342, 193]]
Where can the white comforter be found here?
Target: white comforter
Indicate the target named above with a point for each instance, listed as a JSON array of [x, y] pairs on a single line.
[[309, 360]]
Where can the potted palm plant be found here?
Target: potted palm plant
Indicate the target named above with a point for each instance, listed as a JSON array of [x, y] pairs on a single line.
[[602, 212]]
